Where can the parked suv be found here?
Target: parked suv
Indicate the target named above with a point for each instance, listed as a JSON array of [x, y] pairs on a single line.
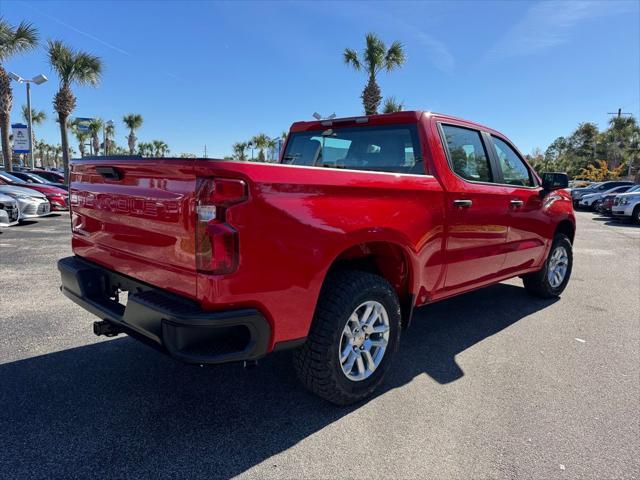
[[327, 252]]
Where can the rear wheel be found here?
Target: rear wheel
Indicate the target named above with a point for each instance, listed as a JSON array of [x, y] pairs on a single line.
[[552, 279], [354, 334]]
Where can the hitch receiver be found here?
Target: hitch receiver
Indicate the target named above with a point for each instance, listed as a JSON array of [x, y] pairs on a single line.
[[104, 327]]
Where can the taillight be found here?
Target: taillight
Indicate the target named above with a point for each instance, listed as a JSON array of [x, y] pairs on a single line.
[[216, 240]]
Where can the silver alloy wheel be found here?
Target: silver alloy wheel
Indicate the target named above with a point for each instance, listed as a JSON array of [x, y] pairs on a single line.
[[364, 341], [558, 264]]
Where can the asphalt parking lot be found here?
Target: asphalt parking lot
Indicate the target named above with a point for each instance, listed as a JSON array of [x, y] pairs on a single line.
[[493, 384]]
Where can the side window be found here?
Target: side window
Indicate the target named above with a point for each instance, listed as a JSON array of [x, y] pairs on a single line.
[[514, 171], [467, 153]]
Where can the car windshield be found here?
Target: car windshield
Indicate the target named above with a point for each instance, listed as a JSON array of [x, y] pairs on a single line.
[[387, 149], [10, 178], [38, 178]]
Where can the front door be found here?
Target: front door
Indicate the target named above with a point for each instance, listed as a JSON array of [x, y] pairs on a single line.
[[526, 243]]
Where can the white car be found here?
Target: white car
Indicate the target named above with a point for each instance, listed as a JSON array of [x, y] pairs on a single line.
[[627, 205], [31, 204], [593, 199], [9, 212]]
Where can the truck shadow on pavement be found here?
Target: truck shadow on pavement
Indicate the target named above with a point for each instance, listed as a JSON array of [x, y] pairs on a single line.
[[118, 409]]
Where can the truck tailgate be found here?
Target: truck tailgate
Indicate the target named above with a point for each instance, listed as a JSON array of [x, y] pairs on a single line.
[[136, 217]]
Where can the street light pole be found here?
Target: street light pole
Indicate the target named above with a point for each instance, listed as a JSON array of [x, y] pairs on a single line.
[[37, 80], [30, 124]]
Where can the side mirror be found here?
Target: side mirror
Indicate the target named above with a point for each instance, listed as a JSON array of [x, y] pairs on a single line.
[[554, 181]]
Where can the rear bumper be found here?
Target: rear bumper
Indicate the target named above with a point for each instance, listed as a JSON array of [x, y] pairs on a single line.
[[172, 324]]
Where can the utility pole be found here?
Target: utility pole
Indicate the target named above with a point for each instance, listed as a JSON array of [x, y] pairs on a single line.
[[619, 113], [205, 151]]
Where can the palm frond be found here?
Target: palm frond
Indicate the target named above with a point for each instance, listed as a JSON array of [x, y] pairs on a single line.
[[16, 40], [350, 57], [391, 105], [395, 56], [73, 66], [374, 54]]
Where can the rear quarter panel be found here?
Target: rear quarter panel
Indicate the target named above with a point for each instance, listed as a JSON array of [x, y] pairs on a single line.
[[298, 220]]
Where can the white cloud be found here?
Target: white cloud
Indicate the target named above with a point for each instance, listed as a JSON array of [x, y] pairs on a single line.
[[548, 24], [437, 51]]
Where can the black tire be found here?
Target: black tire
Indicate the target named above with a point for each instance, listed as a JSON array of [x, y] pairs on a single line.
[[635, 216], [317, 362], [538, 283]]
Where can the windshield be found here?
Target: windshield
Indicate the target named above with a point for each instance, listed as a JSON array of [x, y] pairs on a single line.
[[387, 149], [10, 178], [37, 178]]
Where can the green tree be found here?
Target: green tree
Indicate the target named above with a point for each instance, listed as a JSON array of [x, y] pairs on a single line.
[[261, 142], [376, 57], [37, 118], [240, 150], [109, 135], [81, 136], [160, 148], [133, 121], [95, 127], [13, 41], [391, 105], [72, 67]]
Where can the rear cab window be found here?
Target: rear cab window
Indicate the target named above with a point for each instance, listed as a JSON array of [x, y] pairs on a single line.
[[393, 148], [467, 154]]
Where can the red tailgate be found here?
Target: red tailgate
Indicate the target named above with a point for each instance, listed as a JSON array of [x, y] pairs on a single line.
[[137, 217]]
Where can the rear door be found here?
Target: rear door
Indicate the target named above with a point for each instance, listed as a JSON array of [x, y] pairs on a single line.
[[526, 241], [476, 208], [137, 217]]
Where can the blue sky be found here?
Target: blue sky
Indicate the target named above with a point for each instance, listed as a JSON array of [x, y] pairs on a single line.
[[218, 72]]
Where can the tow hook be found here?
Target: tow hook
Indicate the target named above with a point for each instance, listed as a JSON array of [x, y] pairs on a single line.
[[104, 327], [250, 364]]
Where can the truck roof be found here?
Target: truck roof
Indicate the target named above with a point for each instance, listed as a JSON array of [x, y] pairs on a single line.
[[409, 116]]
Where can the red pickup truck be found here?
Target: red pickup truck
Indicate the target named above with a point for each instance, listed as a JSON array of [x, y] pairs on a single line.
[[326, 252]]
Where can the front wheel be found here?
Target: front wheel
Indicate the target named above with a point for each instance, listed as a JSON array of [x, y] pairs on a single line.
[[552, 279], [354, 334]]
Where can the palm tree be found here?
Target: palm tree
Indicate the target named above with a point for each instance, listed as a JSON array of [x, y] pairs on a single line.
[[81, 136], [95, 127], [391, 105], [145, 149], [72, 66], [240, 150], [37, 118], [261, 142], [133, 121], [160, 148], [375, 58], [13, 41], [109, 134]]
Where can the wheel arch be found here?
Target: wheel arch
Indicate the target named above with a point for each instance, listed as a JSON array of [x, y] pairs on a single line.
[[566, 227], [387, 259]]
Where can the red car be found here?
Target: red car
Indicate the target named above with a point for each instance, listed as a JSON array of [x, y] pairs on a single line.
[[327, 252], [57, 197], [49, 175]]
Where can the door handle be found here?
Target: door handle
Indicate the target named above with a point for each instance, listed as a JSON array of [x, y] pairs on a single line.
[[516, 203], [110, 173], [462, 203]]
